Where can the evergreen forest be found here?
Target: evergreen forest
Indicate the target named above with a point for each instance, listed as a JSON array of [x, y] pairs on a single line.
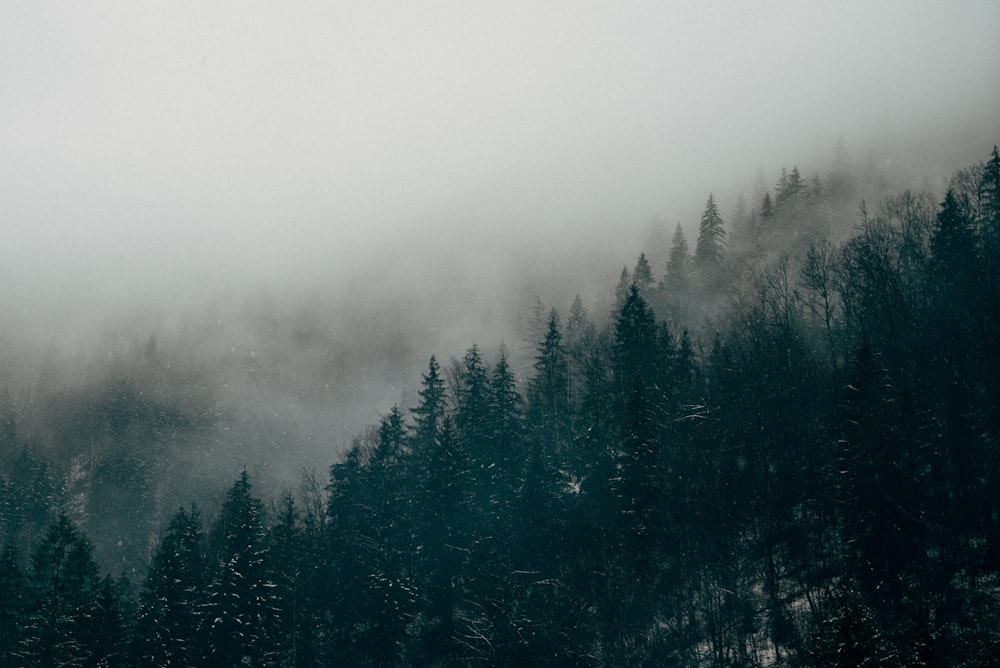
[[774, 444]]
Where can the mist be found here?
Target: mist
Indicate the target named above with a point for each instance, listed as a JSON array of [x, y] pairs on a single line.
[[421, 175], [290, 242], [156, 153]]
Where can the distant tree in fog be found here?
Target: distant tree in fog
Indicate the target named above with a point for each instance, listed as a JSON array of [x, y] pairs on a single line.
[[711, 248]]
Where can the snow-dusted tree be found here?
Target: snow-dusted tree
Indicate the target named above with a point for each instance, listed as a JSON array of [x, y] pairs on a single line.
[[170, 602], [548, 391], [64, 586], [239, 616]]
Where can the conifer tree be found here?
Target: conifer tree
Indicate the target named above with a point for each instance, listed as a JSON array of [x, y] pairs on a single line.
[[392, 434], [677, 278], [505, 420], [110, 623], [635, 345], [239, 616], [429, 414], [290, 563], [640, 487], [578, 325], [953, 246], [472, 402], [711, 248], [642, 276], [789, 187], [766, 208], [171, 599], [548, 391], [64, 586], [347, 602], [621, 290]]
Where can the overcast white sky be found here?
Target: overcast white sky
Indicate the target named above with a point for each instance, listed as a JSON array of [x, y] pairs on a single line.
[[144, 141]]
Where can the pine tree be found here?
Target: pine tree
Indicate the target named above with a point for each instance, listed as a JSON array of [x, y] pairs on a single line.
[[392, 433], [505, 420], [578, 326], [635, 346], [789, 188], [239, 615], [109, 624], [621, 290], [444, 531], [711, 248], [878, 498], [288, 558], [472, 402], [548, 391], [766, 208], [953, 245], [64, 585], [346, 605], [674, 294], [596, 434], [743, 225], [429, 414], [642, 276], [677, 278], [171, 599], [640, 486]]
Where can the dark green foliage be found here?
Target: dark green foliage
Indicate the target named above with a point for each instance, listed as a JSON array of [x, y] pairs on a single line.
[[171, 599], [548, 391], [677, 276], [636, 347], [505, 419], [429, 415], [28, 497], [953, 245], [14, 609], [847, 634], [471, 415], [66, 598], [799, 468], [710, 251], [238, 615]]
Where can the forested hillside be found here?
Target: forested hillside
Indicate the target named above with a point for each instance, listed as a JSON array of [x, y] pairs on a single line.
[[779, 447]]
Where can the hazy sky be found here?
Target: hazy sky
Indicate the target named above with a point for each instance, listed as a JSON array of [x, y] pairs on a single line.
[[145, 142]]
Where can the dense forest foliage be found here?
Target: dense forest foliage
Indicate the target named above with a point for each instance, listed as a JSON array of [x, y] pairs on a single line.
[[782, 452]]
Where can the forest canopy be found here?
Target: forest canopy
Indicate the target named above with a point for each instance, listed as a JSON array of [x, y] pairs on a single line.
[[775, 443]]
